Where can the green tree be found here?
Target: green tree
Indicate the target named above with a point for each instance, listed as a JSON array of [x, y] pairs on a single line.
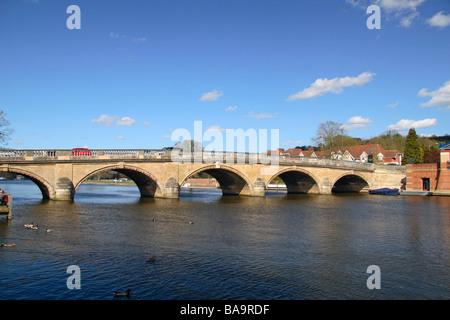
[[431, 154], [389, 140], [412, 148]]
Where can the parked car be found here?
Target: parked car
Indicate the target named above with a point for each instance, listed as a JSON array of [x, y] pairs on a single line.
[[81, 152]]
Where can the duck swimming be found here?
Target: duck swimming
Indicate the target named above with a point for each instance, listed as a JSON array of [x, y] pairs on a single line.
[[7, 245], [122, 293]]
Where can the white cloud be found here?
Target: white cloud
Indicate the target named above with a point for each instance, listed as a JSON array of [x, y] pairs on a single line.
[[439, 20], [211, 96], [407, 20], [115, 35], [336, 85], [165, 136], [427, 135], [261, 115], [114, 120], [440, 97], [137, 40], [231, 108], [120, 138], [125, 121], [399, 5], [106, 120], [357, 122], [216, 128], [393, 105], [404, 10], [406, 124], [357, 3], [292, 142], [147, 124]]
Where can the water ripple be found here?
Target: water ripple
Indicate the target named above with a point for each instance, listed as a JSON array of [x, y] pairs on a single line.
[[278, 247]]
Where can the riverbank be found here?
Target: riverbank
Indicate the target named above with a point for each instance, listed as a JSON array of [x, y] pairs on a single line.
[[189, 185], [110, 182]]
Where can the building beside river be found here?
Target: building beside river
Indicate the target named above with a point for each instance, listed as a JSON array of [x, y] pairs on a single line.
[[360, 153], [432, 177]]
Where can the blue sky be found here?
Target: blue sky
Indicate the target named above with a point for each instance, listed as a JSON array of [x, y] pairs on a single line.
[[137, 70]]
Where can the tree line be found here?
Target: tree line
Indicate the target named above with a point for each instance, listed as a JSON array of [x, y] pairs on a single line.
[[331, 136]]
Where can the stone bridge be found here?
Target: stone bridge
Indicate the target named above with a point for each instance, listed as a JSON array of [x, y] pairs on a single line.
[[161, 173]]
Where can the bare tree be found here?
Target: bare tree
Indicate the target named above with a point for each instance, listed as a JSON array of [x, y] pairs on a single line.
[[5, 132], [329, 135], [189, 146]]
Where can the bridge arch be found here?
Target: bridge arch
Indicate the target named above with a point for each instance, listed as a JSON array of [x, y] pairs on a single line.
[[44, 186], [231, 181], [350, 183], [146, 182], [297, 180]]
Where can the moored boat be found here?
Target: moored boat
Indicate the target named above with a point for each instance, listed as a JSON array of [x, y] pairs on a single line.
[[384, 191]]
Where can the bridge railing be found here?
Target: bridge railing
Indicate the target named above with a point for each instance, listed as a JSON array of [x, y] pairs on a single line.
[[11, 155]]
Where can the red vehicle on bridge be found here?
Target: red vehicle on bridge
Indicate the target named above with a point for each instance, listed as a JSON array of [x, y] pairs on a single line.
[[81, 152]]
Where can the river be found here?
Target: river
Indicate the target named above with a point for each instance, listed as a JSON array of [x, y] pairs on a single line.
[[211, 247]]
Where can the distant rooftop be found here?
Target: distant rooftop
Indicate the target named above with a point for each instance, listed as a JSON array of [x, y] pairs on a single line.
[[444, 146]]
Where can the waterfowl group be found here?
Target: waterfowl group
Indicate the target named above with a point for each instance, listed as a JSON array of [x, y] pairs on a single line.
[[7, 245], [120, 294], [35, 227], [31, 226], [28, 226]]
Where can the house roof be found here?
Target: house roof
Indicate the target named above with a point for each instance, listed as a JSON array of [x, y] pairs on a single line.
[[355, 151], [295, 152], [375, 149], [391, 153], [445, 146]]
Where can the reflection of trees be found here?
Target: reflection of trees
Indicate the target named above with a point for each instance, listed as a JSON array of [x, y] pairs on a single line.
[[8, 175], [106, 175]]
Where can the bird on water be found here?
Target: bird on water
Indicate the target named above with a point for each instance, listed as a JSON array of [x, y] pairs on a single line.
[[119, 294]]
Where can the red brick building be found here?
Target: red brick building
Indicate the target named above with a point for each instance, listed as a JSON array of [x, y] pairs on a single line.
[[432, 177]]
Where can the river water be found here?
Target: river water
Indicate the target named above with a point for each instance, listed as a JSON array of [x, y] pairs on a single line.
[[273, 248]]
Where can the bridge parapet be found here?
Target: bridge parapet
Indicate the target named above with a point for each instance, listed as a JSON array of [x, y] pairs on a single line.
[[60, 154]]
